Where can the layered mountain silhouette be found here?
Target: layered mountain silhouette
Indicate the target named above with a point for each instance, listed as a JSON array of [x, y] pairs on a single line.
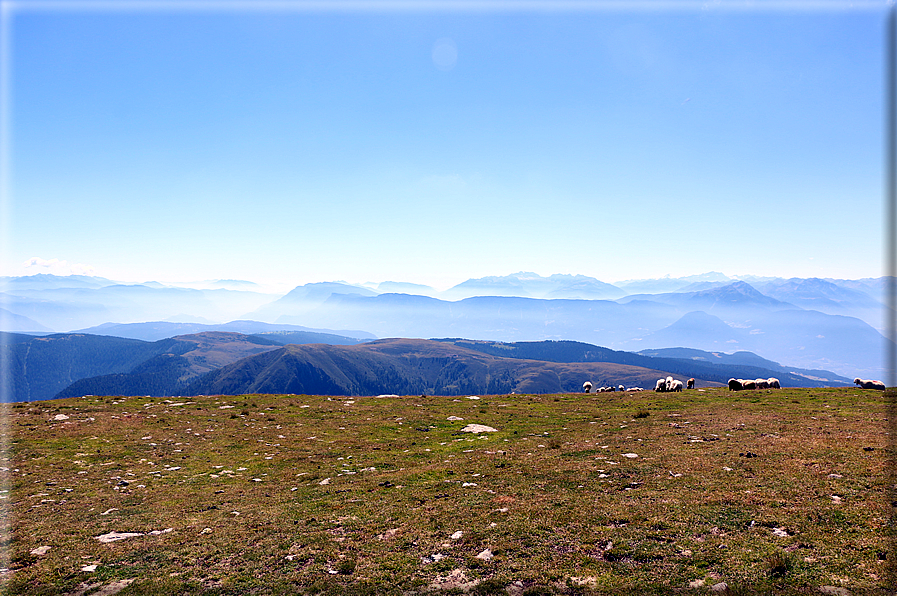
[[71, 365], [809, 323]]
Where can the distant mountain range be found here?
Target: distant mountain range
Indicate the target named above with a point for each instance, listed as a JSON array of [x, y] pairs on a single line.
[[71, 365], [828, 324]]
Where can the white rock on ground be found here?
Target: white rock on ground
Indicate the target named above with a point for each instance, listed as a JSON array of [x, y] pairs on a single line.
[[486, 555], [457, 535], [388, 534], [478, 428], [834, 591], [116, 536], [456, 580], [454, 419], [40, 551]]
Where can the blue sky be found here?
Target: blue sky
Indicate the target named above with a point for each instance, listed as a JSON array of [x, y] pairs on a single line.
[[432, 146]]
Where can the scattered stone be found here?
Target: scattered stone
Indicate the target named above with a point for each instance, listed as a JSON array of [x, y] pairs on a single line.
[[40, 551], [457, 535], [467, 484], [113, 588], [83, 588], [206, 531], [472, 397], [388, 534], [89, 568], [590, 581], [456, 580], [60, 417], [116, 536], [720, 588], [836, 499], [630, 455], [478, 428], [781, 532], [833, 475], [486, 555], [165, 531], [696, 583], [432, 558], [454, 419], [108, 511], [834, 591], [324, 482]]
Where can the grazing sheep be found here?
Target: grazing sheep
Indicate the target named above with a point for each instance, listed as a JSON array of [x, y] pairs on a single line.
[[749, 384], [774, 383], [587, 387], [735, 385], [864, 384], [669, 382], [762, 383], [661, 385], [690, 384], [621, 388], [676, 385]]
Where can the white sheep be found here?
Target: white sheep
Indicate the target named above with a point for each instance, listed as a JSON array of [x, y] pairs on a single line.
[[675, 385], [661, 385], [864, 384], [774, 383], [669, 383], [587, 387], [736, 385], [762, 383], [690, 384]]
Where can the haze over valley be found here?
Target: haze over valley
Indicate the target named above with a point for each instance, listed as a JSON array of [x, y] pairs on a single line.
[[119, 336]]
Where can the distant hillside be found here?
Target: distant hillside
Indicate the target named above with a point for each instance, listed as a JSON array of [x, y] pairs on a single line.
[[672, 360], [37, 368], [40, 367], [178, 361], [408, 367]]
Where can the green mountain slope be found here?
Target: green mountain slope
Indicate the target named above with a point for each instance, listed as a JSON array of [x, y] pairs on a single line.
[[410, 366]]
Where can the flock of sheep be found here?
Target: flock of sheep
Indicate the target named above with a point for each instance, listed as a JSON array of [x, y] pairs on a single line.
[[587, 388], [739, 384], [670, 384], [667, 384]]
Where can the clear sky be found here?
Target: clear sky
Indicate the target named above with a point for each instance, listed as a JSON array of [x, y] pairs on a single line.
[[414, 143]]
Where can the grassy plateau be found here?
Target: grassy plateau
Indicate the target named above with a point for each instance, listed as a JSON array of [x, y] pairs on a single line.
[[779, 492]]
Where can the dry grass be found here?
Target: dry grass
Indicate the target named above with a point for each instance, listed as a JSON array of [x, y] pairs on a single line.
[[726, 487]]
